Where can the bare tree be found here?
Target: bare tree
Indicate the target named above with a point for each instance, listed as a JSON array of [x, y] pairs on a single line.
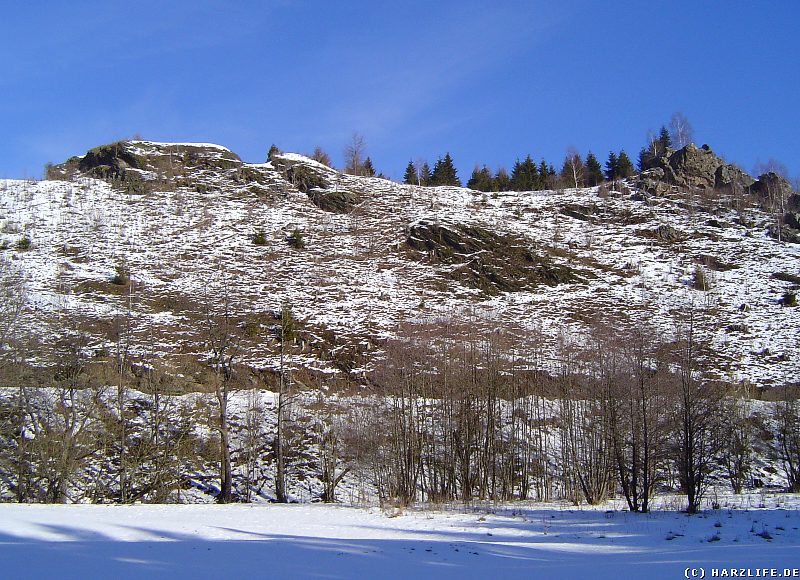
[[787, 442], [285, 334], [122, 330], [63, 421], [13, 300], [223, 343], [321, 156], [330, 447], [680, 130], [737, 440], [252, 438], [640, 448], [573, 168], [354, 153], [696, 414], [771, 166]]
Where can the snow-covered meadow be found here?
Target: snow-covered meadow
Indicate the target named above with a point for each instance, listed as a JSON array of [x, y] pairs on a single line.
[[325, 541]]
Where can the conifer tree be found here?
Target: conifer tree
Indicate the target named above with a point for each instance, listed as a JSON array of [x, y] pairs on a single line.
[[444, 172], [551, 177], [425, 174], [624, 165], [594, 172], [481, 179], [273, 151], [367, 169], [524, 175], [543, 172], [664, 140], [411, 177], [612, 166], [501, 181], [645, 159]]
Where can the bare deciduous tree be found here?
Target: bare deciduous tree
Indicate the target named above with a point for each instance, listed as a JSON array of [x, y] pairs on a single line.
[[680, 130], [285, 334], [223, 342], [787, 442], [354, 153], [696, 416], [573, 168], [321, 156]]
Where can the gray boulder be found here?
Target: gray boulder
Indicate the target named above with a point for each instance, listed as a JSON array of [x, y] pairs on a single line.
[[771, 186], [695, 167], [730, 179]]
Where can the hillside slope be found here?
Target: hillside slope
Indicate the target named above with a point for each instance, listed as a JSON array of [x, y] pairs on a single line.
[[190, 228]]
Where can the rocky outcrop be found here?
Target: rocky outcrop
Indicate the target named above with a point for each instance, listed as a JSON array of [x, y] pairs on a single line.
[[334, 201], [732, 180], [771, 186], [318, 181], [694, 168], [790, 229], [792, 216], [484, 260], [141, 166]]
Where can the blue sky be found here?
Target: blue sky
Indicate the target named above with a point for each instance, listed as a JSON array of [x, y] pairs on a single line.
[[486, 81]]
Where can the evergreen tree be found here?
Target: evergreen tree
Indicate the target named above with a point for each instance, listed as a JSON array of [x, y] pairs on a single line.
[[552, 177], [664, 140], [645, 159], [524, 175], [612, 166], [411, 177], [425, 174], [543, 172], [273, 151], [624, 165], [501, 181], [594, 172], [367, 169], [481, 179], [444, 172]]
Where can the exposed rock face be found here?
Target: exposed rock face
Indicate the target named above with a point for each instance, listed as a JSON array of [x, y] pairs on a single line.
[[141, 166], [484, 260], [772, 186], [116, 158], [730, 179], [792, 217], [664, 233], [790, 231], [318, 181], [696, 168], [653, 181], [334, 201], [692, 168]]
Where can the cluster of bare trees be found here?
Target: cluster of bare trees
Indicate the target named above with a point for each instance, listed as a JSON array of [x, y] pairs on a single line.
[[464, 417]]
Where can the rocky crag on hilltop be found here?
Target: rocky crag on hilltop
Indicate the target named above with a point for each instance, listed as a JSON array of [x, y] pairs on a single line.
[[701, 170]]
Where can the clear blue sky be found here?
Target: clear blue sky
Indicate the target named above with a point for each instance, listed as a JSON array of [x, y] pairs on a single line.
[[486, 81]]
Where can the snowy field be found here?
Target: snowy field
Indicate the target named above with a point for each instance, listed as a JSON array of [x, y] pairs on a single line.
[[322, 541]]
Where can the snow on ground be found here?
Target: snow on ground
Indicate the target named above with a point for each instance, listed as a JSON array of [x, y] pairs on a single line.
[[324, 541]]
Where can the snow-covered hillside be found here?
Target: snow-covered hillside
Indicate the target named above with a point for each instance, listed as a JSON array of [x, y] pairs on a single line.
[[182, 219]]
